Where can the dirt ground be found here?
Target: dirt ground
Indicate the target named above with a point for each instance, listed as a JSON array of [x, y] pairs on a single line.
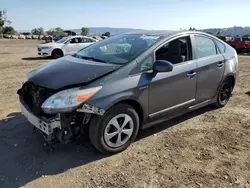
[[206, 148]]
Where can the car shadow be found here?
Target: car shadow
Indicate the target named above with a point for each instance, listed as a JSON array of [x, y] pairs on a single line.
[[167, 124], [248, 93], [23, 158], [35, 58]]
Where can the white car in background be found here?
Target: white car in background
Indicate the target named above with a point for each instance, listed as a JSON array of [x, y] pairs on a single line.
[[65, 46], [28, 37]]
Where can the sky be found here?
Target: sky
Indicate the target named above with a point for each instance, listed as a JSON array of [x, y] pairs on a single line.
[[138, 14]]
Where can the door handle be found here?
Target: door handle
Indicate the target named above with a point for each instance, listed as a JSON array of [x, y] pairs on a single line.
[[220, 64], [191, 75]]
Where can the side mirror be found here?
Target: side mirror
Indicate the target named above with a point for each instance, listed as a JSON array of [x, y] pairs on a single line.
[[162, 66]]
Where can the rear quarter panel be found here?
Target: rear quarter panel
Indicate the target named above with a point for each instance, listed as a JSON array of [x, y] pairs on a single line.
[[231, 62]]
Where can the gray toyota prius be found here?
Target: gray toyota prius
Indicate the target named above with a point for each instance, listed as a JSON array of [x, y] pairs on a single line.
[[113, 88]]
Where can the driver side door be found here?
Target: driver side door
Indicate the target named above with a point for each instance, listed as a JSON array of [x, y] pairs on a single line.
[[72, 46], [171, 91]]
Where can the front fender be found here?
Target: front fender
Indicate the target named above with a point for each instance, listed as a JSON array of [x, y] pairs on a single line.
[[136, 95]]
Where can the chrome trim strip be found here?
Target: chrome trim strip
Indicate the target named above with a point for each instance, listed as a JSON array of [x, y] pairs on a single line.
[[200, 104], [171, 108]]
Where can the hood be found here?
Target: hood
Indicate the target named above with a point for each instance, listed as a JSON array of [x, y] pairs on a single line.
[[68, 71]]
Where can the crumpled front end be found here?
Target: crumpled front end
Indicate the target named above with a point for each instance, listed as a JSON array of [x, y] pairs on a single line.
[[60, 127]]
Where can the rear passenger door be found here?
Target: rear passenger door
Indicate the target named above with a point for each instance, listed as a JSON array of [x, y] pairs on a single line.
[[211, 67]]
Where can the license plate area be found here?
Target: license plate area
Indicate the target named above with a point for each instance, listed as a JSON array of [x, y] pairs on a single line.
[[45, 127]]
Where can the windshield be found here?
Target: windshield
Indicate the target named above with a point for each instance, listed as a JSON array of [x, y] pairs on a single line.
[[62, 40], [119, 49]]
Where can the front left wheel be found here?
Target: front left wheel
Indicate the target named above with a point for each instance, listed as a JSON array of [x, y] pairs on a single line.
[[57, 53], [115, 130]]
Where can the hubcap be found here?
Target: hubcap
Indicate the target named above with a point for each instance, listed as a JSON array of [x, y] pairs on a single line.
[[225, 93], [118, 130]]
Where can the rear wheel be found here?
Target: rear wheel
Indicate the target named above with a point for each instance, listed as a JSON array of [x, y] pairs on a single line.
[[57, 53], [115, 130], [224, 93]]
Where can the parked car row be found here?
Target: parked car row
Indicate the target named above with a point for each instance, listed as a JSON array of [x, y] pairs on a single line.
[[240, 44], [20, 36]]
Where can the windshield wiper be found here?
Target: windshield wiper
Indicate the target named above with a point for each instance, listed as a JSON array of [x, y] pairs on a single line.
[[93, 58]]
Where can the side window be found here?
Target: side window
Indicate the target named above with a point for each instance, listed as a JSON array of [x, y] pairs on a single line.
[[72, 41], [85, 40], [144, 65], [75, 40], [176, 51], [237, 39], [204, 47], [221, 46], [78, 40]]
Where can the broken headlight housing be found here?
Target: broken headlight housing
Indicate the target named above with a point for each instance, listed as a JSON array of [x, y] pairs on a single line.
[[68, 100]]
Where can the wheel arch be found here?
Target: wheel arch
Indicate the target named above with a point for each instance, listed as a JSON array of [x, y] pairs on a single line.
[[56, 49], [135, 104], [230, 77]]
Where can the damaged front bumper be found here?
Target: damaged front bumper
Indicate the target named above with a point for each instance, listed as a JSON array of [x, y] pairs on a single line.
[[61, 127], [46, 125]]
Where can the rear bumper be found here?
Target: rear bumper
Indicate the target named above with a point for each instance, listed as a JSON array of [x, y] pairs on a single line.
[[45, 125]]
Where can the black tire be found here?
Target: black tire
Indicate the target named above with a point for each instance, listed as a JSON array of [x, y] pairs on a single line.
[[57, 53], [224, 93], [98, 125]]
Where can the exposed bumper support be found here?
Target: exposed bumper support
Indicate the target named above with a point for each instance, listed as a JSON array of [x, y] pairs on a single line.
[[43, 124]]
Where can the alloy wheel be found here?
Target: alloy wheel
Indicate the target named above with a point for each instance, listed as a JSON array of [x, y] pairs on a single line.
[[118, 130]]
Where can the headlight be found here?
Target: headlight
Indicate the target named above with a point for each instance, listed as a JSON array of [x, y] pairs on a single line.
[[68, 100], [46, 47]]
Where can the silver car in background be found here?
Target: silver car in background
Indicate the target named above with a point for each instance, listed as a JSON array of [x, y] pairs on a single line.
[[113, 88]]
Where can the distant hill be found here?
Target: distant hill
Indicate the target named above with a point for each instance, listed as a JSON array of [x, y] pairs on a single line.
[[232, 31], [114, 31]]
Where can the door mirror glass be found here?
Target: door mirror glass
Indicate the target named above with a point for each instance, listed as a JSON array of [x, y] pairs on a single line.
[[162, 66]]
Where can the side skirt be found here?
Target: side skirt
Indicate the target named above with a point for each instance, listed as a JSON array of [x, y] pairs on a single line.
[[177, 114]]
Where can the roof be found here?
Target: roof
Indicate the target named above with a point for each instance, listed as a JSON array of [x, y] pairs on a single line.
[[164, 33], [155, 32], [78, 36]]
